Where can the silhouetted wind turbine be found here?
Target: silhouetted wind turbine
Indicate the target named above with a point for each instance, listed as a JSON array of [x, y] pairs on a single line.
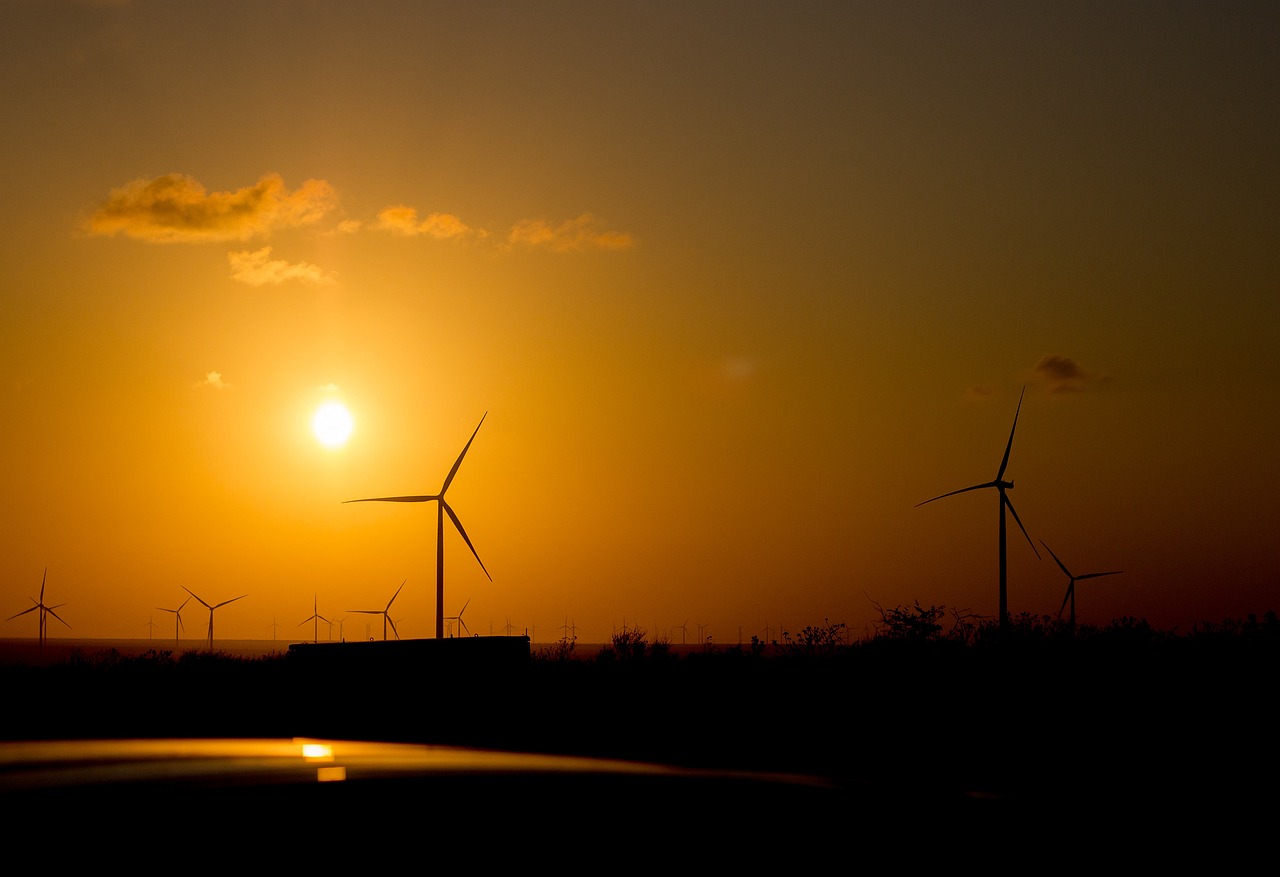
[[177, 614], [42, 609], [1071, 586], [316, 617], [458, 618], [385, 613], [211, 608], [441, 510], [1001, 487]]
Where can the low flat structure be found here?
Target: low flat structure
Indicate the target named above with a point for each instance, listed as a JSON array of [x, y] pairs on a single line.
[[473, 653]]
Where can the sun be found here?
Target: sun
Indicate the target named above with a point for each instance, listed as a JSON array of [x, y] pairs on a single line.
[[332, 424]]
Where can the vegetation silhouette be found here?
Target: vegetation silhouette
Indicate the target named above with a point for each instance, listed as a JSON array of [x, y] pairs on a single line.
[[935, 716]]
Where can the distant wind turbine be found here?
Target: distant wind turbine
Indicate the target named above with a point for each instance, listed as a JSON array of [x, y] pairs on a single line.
[[458, 618], [1001, 487], [211, 608], [442, 509], [42, 609], [1071, 586], [177, 615], [316, 618], [385, 613]]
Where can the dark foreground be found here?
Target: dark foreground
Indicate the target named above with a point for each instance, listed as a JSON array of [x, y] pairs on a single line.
[[1152, 749]]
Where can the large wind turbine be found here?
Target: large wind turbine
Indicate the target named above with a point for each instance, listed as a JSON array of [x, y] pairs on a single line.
[[1071, 586], [1001, 487], [317, 618], [177, 614], [441, 510], [211, 608], [385, 613], [42, 609]]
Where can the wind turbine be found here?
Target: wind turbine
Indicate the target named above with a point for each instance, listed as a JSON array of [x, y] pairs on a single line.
[[177, 614], [385, 613], [211, 608], [1001, 487], [458, 618], [442, 509], [1071, 587], [42, 609], [316, 617]]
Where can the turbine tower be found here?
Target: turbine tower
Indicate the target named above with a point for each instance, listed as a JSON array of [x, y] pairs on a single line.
[[1071, 586], [211, 608], [1002, 487], [442, 509], [385, 613], [42, 609]]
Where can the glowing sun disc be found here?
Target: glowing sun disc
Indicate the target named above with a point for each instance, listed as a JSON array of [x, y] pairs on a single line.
[[332, 424]]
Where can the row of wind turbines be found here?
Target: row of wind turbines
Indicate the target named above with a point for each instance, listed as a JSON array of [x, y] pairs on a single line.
[[1002, 488], [999, 484]]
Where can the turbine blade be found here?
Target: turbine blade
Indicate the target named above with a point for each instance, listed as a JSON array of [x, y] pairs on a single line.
[[393, 627], [1062, 566], [464, 624], [1009, 447], [225, 602], [1070, 588], [454, 471], [23, 612], [56, 615], [43, 578], [954, 492], [391, 499], [193, 594], [1094, 575], [396, 594], [458, 524], [1004, 498]]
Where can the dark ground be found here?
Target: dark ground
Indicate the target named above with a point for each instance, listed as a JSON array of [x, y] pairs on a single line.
[[1157, 746]]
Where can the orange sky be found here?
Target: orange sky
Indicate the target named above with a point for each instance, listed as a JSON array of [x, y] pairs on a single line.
[[738, 285]]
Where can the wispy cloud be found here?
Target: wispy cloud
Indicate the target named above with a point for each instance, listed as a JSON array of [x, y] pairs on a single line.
[[1061, 374], [257, 268], [571, 236], [404, 220], [176, 208], [214, 380]]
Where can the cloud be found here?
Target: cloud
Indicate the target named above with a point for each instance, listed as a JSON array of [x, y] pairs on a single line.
[[256, 268], [570, 236], [214, 379], [1062, 375], [329, 389], [402, 219], [176, 208]]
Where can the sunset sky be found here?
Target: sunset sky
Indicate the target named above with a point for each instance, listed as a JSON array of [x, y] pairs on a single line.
[[738, 284]]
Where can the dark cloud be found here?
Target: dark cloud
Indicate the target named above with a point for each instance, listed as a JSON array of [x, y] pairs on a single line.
[[1061, 374], [176, 208]]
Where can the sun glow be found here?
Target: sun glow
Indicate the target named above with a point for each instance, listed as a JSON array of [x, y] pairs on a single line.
[[332, 424]]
